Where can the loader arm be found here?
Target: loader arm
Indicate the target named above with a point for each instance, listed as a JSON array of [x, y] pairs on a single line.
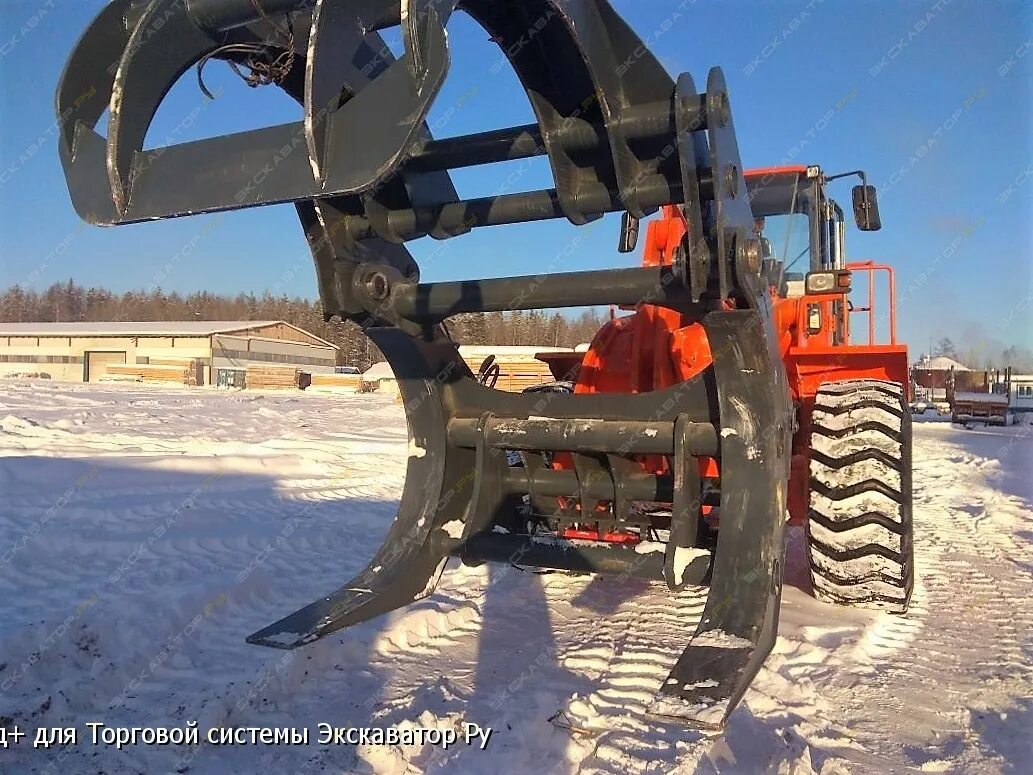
[[366, 176]]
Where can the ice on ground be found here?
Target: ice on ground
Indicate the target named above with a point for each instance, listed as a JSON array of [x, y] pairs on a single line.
[[454, 528], [649, 547], [145, 531], [683, 557], [721, 640]]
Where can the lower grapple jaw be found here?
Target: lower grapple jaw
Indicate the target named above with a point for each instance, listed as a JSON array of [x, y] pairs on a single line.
[[461, 432], [366, 176]]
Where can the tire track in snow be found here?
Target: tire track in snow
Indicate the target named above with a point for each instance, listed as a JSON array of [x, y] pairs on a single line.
[[632, 666], [864, 691], [917, 694], [842, 690]]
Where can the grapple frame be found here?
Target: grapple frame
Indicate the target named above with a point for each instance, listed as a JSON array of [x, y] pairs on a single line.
[[366, 176]]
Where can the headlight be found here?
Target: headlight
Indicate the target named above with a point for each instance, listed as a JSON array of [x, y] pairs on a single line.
[[820, 282], [837, 281]]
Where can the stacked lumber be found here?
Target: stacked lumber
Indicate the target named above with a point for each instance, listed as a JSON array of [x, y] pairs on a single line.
[[195, 368], [350, 382], [517, 372], [185, 362], [273, 377], [182, 374], [518, 383]]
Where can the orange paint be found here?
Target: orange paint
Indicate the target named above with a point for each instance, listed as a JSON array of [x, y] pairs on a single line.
[[655, 348]]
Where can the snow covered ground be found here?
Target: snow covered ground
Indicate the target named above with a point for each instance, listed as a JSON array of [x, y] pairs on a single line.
[[145, 531]]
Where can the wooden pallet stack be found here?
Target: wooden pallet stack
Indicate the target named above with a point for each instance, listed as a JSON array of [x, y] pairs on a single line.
[[273, 378], [344, 382], [194, 367], [517, 383], [181, 374], [517, 372]]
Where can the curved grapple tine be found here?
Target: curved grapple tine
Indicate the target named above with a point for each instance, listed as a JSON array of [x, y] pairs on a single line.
[[357, 145], [403, 571], [163, 45], [336, 36], [408, 564], [740, 618], [83, 94]]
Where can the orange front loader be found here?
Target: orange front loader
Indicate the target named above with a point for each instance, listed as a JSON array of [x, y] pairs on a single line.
[[852, 430], [730, 396]]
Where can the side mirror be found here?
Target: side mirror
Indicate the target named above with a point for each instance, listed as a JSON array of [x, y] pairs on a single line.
[[866, 208], [629, 233]]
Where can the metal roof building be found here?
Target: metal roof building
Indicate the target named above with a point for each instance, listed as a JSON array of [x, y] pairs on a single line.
[[193, 351]]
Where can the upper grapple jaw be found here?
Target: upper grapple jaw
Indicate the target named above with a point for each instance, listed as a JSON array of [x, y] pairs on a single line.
[[363, 109]]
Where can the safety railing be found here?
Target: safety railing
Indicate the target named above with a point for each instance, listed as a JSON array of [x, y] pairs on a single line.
[[871, 268]]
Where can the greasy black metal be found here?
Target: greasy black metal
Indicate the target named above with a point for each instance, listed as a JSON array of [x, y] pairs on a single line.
[[365, 175], [584, 435], [685, 508], [573, 67], [646, 124], [730, 202], [532, 479], [608, 127], [694, 257], [635, 485], [622, 472], [589, 468], [454, 218], [604, 126], [337, 257], [434, 301], [448, 412], [488, 490], [740, 619], [580, 557], [114, 66], [222, 15]]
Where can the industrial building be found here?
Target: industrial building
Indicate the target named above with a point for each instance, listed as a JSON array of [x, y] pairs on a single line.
[[193, 352]]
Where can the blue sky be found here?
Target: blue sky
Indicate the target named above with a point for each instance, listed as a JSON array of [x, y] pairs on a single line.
[[933, 99]]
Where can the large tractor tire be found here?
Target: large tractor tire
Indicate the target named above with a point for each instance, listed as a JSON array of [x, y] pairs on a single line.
[[859, 530]]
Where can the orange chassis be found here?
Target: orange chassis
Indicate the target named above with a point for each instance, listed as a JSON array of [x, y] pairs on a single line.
[[656, 348]]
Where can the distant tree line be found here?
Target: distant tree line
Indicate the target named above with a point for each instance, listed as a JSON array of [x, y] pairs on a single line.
[[69, 302]]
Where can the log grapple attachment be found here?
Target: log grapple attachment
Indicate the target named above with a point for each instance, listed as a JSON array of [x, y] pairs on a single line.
[[366, 176]]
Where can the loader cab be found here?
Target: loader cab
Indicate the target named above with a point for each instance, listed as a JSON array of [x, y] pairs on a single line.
[[803, 237], [793, 219], [801, 228]]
